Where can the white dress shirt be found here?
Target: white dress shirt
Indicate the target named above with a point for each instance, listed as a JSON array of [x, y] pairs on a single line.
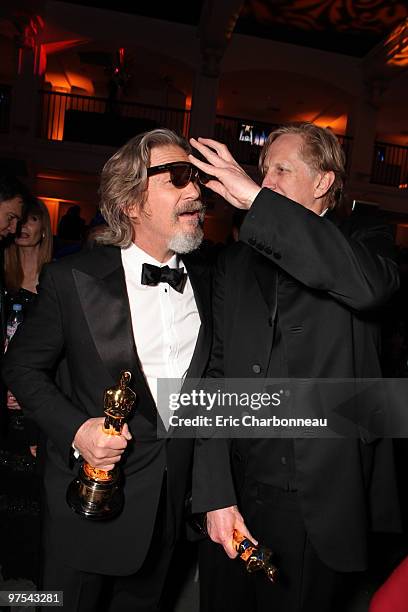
[[165, 322]]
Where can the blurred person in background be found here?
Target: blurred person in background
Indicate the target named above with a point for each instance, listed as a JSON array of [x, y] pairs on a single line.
[[23, 260], [16, 469], [72, 226], [12, 194]]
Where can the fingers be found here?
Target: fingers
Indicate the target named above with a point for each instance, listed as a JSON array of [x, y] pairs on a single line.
[[115, 443], [204, 145], [211, 156], [98, 448], [248, 535], [233, 184], [207, 168], [102, 462], [126, 433], [106, 468], [12, 403], [221, 525], [243, 529], [108, 449]]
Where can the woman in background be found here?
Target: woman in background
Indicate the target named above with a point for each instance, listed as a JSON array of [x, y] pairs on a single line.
[[24, 258], [19, 471]]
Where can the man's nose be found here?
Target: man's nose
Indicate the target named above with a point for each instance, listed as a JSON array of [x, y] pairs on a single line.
[[192, 190], [269, 181]]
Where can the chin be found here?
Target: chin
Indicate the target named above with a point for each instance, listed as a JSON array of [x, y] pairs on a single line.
[[185, 242]]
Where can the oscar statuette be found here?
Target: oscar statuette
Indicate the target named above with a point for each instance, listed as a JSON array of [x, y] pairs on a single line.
[[97, 494], [255, 557]]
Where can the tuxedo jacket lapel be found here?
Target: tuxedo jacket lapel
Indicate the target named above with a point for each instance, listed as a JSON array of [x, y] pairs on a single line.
[[103, 296]]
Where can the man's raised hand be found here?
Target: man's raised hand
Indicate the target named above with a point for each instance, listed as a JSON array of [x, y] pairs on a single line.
[[232, 183]]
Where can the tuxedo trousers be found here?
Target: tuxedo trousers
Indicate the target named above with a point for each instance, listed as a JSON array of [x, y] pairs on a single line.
[[138, 592], [305, 584]]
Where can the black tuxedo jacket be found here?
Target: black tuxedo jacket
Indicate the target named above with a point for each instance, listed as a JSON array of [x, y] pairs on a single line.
[[324, 283], [81, 324]]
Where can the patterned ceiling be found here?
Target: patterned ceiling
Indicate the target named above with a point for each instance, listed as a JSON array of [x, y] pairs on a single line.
[[352, 27], [344, 26]]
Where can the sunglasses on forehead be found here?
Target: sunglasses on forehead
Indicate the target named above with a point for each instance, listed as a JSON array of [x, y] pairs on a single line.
[[181, 173]]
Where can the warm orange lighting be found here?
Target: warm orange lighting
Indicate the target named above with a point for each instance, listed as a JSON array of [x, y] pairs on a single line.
[[57, 200], [186, 120], [63, 45], [81, 82], [337, 124], [58, 80], [396, 46], [57, 105], [53, 177], [52, 205]]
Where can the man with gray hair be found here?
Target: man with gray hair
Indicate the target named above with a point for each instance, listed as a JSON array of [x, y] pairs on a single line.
[[295, 297], [137, 301]]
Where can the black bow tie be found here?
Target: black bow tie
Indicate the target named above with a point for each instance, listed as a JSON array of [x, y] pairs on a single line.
[[153, 275]]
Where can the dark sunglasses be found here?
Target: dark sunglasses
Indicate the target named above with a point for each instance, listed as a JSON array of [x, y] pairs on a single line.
[[181, 173]]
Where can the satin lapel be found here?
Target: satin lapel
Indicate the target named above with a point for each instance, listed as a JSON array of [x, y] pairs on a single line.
[[267, 277], [200, 278], [106, 308]]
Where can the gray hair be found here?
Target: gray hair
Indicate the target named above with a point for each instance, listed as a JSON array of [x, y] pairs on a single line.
[[321, 151], [124, 183]]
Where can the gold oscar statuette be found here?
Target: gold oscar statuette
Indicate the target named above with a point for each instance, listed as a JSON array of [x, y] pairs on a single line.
[[254, 556], [97, 494]]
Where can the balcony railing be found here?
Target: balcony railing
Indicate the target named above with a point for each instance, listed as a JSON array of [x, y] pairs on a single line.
[[245, 137], [390, 165], [102, 121], [5, 106]]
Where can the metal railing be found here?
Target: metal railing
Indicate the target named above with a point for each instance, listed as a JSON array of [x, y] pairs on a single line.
[[92, 120], [101, 120], [245, 137], [5, 107], [390, 165]]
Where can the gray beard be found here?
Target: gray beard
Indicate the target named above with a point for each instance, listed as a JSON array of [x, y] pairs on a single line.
[[185, 243]]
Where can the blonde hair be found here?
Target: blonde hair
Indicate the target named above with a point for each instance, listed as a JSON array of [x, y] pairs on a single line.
[[124, 183], [321, 151], [13, 270]]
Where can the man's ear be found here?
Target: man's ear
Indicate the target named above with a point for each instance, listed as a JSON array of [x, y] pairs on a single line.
[[324, 183]]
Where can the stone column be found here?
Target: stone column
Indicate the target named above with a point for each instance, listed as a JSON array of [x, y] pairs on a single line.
[[30, 64], [362, 127], [205, 92], [217, 23]]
